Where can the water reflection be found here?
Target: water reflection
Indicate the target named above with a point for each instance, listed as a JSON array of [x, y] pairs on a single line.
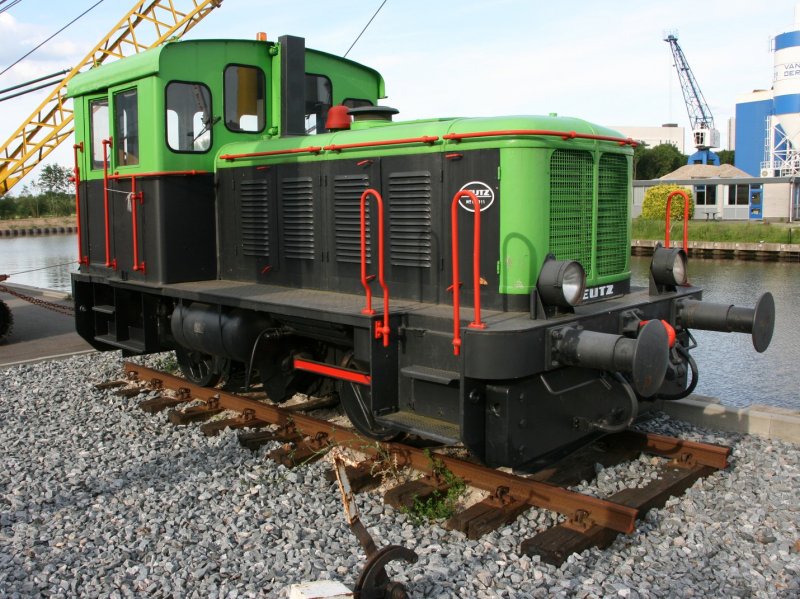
[[36, 260], [730, 369]]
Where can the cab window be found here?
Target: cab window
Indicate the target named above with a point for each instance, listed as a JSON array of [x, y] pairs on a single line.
[[245, 91], [126, 128], [319, 97], [99, 129], [189, 117]]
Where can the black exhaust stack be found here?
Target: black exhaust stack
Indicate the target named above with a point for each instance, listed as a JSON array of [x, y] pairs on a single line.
[[644, 358], [293, 85], [758, 321]]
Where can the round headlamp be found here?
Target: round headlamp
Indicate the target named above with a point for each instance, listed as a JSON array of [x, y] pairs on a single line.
[[669, 266], [561, 283]]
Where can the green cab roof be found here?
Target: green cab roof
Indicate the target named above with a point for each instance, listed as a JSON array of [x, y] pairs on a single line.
[[114, 73], [148, 62]]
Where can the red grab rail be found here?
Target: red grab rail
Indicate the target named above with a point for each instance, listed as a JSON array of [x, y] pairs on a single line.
[[623, 141], [309, 150], [685, 218], [380, 330], [135, 198], [138, 198], [106, 144], [335, 372], [117, 176], [76, 177], [476, 274], [425, 139]]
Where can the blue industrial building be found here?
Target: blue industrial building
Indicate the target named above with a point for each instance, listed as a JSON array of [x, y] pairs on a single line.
[[754, 114]]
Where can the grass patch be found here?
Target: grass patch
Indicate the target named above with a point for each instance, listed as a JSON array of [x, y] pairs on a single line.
[[441, 505], [743, 232]]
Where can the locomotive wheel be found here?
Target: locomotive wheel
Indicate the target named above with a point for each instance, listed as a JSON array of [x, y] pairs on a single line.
[[6, 320], [202, 369]]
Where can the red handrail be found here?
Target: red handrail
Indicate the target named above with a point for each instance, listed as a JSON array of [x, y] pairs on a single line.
[[117, 176], [76, 177], [106, 143], [685, 218], [309, 149], [623, 141], [476, 270], [135, 198], [426, 139], [335, 372], [384, 329]]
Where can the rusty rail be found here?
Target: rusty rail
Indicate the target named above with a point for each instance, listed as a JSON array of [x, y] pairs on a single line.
[[539, 494]]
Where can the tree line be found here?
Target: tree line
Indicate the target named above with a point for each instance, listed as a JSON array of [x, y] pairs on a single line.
[[655, 162], [51, 194]]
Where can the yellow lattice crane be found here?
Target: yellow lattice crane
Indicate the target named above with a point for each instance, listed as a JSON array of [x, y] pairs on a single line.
[[50, 124]]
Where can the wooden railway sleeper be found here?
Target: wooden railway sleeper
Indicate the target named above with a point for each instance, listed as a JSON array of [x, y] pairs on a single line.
[[499, 509], [309, 449], [246, 419], [211, 407]]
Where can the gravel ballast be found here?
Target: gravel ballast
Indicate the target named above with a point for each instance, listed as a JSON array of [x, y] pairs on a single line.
[[99, 499]]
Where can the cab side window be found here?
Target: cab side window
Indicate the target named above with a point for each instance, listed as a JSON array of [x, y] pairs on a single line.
[[245, 91], [189, 117], [98, 109], [126, 128], [319, 97]]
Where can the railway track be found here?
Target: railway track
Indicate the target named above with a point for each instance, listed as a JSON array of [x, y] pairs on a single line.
[[588, 521]]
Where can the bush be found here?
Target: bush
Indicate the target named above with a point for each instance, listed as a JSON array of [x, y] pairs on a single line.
[[654, 206]]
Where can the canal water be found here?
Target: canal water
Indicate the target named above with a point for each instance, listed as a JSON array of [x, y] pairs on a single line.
[[730, 369]]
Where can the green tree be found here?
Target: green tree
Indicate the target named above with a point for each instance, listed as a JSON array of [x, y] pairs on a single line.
[[656, 162], [55, 185], [726, 156], [654, 206]]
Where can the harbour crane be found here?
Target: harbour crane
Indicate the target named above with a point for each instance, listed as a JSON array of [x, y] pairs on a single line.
[[143, 27], [704, 134]]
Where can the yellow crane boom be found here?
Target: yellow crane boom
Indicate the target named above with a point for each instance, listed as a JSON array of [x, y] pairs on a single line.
[[50, 124]]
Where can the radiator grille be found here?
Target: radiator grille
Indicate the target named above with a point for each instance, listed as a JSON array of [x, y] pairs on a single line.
[[347, 190], [410, 219], [297, 207], [612, 215], [255, 217], [571, 193]]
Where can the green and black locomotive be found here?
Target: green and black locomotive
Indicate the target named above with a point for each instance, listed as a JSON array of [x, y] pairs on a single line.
[[249, 205]]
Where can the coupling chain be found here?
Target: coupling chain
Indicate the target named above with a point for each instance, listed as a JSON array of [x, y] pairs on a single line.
[[65, 310]]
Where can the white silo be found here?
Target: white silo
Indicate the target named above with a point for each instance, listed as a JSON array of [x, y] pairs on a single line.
[[786, 82]]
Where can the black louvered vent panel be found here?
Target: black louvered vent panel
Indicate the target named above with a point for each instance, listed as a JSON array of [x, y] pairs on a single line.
[[410, 219], [297, 201], [347, 190], [255, 218]]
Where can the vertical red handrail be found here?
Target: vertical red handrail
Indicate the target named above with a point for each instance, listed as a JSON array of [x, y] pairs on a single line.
[[76, 177], [476, 270], [384, 329], [685, 218], [135, 198], [106, 144]]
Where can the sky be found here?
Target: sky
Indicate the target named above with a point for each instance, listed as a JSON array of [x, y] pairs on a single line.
[[605, 62]]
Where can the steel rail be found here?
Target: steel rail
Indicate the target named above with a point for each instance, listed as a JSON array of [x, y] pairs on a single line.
[[543, 495]]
